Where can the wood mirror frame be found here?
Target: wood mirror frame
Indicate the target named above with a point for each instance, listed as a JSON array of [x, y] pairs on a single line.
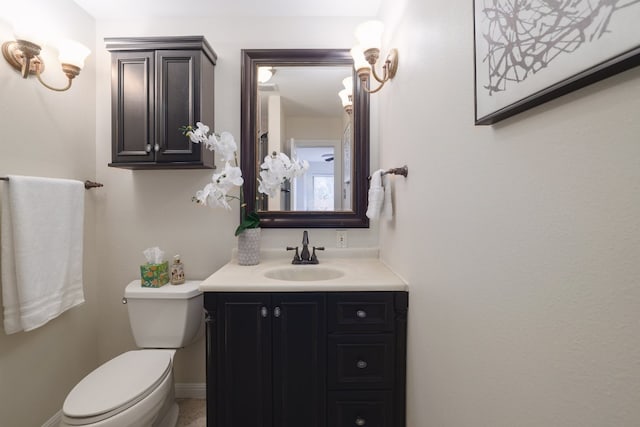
[[355, 218]]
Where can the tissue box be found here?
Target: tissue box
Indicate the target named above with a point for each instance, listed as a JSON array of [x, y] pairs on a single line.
[[154, 275]]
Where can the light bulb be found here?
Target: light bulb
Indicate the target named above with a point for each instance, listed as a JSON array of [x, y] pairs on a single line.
[[264, 74]]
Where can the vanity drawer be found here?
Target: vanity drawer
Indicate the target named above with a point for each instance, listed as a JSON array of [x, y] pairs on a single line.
[[361, 311], [368, 409], [361, 361]]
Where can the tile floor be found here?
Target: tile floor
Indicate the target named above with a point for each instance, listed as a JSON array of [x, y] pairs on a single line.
[[193, 413]]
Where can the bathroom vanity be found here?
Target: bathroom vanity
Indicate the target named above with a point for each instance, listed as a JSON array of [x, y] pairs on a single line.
[[314, 345]]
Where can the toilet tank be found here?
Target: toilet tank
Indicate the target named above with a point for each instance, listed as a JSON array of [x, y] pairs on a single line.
[[166, 317]]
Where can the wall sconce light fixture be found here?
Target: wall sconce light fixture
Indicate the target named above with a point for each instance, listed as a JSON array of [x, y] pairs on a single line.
[[367, 52], [346, 95], [24, 55]]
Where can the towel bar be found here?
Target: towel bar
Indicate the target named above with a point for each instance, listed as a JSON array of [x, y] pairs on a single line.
[[87, 184], [404, 171]]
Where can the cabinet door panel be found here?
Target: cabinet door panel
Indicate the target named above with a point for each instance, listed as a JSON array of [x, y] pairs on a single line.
[[299, 359], [132, 100], [244, 343], [178, 104]]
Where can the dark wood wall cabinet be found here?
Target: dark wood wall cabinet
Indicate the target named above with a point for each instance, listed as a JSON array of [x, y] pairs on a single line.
[[313, 359], [159, 84]]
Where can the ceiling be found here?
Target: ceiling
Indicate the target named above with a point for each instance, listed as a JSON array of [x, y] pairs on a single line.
[[101, 9]]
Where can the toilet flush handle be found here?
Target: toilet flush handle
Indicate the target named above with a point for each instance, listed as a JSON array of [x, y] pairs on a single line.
[[124, 300]]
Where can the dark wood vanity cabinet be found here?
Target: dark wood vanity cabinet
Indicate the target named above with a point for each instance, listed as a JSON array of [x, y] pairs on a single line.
[[313, 359], [159, 84]]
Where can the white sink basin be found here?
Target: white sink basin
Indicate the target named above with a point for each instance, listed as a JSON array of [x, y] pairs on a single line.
[[303, 273]]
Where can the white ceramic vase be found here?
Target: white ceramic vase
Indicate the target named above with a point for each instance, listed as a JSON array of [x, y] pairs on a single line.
[[249, 247]]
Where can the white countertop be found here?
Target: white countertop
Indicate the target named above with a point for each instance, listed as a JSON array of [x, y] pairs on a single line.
[[360, 269]]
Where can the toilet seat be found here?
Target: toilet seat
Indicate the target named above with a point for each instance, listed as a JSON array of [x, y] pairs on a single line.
[[116, 386]]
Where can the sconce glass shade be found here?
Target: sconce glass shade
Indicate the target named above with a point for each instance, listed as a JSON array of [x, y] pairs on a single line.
[[344, 97], [72, 52], [348, 84], [369, 35], [264, 74], [359, 61]]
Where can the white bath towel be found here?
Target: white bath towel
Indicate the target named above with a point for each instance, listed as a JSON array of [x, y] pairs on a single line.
[[42, 242], [387, 205], [375, 195]]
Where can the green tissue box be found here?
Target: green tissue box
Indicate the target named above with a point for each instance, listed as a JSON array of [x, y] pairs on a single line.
[[154, 275]]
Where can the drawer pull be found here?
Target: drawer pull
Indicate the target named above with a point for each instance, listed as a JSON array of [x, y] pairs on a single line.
[[361, 314], [361, 364], [276, 312], [360, 421], [264, 312]]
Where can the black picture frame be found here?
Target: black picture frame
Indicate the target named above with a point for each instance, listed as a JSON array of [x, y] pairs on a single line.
[[596, 53]]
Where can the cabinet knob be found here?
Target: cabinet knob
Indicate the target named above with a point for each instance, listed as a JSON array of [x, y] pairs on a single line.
[[147, 148], [361, 364], [360, 421], [276, 312], [264, 312], [156, 148], [361, 314]]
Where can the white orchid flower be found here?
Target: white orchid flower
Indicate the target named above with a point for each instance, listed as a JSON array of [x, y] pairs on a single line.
[[226, 146], [199, 134], [231, 176], [276, 169], [269, 183], [211, 195]]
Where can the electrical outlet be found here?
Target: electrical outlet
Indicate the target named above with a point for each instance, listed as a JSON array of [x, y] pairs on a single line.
[[341, 238]]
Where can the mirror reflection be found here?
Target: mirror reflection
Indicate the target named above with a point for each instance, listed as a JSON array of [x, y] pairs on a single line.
[[299, 112]]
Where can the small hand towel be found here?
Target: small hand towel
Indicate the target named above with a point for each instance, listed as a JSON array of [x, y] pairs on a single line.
[[376, 195], [387, 206], [41, 249]]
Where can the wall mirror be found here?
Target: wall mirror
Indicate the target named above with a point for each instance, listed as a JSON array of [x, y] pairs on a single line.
[[295, 109]]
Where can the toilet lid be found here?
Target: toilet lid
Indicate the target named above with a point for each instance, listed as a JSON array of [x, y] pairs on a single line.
[[118, 384]]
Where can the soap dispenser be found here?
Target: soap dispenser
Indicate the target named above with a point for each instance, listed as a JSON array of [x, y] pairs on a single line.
[[177, 271]]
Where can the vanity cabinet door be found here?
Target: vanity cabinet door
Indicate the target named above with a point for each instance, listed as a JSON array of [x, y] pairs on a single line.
[[299, 359], [242, 365], [266, 359]]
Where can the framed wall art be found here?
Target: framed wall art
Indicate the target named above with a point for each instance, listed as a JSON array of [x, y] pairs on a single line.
[[528, 52]]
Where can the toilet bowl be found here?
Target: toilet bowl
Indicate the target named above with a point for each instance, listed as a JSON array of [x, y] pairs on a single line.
[[136, 389]]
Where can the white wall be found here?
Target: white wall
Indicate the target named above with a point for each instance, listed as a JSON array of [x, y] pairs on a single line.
[[520, 241], [50, 134], [148, 208]]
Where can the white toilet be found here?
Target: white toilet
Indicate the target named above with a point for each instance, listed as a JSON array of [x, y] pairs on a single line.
[[136, 388]]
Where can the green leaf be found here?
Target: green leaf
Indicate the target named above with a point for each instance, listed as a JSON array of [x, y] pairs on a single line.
[[252, 220]]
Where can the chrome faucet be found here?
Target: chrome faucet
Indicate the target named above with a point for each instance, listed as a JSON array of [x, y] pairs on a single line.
[[305, 257]]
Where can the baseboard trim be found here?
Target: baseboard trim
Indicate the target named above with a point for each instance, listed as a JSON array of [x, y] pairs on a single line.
[[54, 421], [191, 390]]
